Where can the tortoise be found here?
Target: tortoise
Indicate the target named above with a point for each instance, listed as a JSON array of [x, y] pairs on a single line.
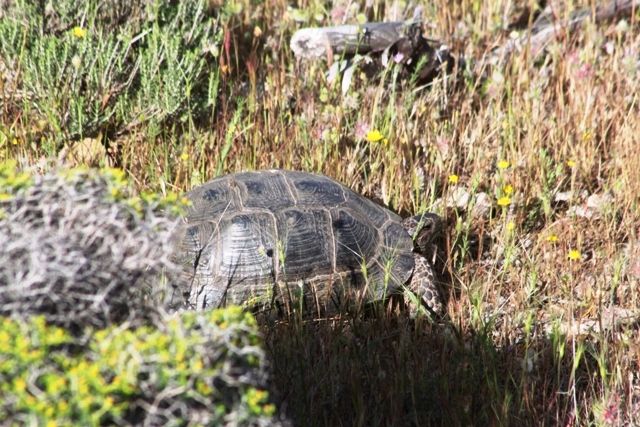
[[276, 236]]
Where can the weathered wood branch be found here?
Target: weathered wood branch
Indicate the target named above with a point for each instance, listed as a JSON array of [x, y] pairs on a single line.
[[546, 29], [403, 41], [316, 43], [397, 42]]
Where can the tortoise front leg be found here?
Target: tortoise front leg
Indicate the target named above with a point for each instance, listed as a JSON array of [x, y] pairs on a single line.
[[424, 289]]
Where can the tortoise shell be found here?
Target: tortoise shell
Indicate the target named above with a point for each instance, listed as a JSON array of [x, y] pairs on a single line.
[[257, 237]]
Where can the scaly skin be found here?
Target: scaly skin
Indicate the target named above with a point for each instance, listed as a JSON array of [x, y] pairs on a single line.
[[425, 230]]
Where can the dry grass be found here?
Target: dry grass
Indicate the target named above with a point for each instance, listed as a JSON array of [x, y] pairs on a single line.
[[516, 349]]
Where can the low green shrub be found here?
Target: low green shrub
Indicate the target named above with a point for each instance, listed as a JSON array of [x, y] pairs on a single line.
[[193, 368], [91, 67]]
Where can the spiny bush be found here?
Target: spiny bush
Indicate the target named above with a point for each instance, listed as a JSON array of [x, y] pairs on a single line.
[[196, 368], [79, 248]]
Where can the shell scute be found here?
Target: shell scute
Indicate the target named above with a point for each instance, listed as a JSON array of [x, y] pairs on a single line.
[[250, 234]]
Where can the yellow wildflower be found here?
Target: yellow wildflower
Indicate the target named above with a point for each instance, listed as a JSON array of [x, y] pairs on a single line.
[[503, 164], [79, 32], [508, 189], [118, 175], [374, 136], [571, 163], [56, 336], [117, 381], [574, 255], [453, 179], [504, 201], [203, 388], [4, 341], [19, 385], [58, 383], [82, 387], [197, 365], [269, 409], [255, 397], [108, 402], [552, 238], [184, 156], [93, 371], [85, 402]]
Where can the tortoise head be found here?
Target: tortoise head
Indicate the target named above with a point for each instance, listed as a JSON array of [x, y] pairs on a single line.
[[425, 230]]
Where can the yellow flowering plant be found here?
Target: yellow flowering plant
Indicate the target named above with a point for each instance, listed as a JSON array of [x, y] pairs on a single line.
[[79, 32], [574, 255], [503, 164], [504, 201], [121, 371], [374, 136]]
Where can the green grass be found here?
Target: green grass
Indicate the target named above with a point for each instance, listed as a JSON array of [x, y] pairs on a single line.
[[175, 95]]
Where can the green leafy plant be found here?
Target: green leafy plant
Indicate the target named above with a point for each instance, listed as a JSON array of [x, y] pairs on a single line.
[[206, 368], [78, 77]]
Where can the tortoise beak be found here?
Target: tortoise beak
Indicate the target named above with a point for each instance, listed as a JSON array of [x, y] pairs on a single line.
[[429, 233]]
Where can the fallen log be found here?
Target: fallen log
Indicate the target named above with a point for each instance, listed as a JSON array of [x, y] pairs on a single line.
[[404, 43], [316, 43], [547, 28], [397, 42]]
